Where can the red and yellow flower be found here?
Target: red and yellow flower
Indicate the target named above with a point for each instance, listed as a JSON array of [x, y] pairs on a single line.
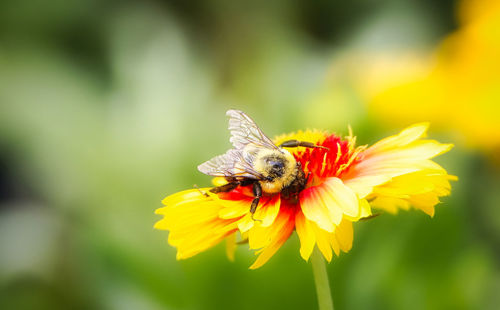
[[344, 183]]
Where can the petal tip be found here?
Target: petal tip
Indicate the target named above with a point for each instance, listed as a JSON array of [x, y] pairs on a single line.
[[423, 126], [452, 177], [255, 265], [160, 211], [305, 254], [160, 225], [447, 147]]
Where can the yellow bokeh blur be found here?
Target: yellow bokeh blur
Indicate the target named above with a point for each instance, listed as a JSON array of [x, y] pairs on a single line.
[[457, 87]]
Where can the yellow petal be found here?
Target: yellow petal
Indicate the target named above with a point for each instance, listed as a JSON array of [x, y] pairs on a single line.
[[260, 236], [396, 171], [306, 234], [425, 202], [420, 189], [233, 208], [219, 181], [323, 242], [231, 246], [405, 137], [362, 179], [363, 185], [270, 250], [419, 150], [334, 243], [193, 221], [310, 235], [267, 210], [271, 238], [245, 223], [390, 204], [185, 197], [315, 209], [342, 196], [201, 238], [344, 235], [327, 203], [188, 213], [366, 210]]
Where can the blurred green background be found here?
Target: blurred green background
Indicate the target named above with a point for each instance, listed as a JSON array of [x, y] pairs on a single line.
[[106, 107]]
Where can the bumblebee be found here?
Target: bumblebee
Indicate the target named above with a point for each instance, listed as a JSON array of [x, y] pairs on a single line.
[[255, 160]]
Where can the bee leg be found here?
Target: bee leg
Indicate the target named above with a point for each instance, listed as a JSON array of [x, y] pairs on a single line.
[[308, 176], [257, 191], [199, 189], [253, 208], [225, 188], [296, 143]]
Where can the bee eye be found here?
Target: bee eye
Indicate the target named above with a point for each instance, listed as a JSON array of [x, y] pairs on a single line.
[[276, 165]]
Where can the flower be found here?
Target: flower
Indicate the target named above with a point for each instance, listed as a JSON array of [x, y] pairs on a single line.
[[344, 183], [455, 86]]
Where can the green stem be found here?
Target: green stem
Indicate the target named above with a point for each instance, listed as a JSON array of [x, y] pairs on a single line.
[[321, 280]]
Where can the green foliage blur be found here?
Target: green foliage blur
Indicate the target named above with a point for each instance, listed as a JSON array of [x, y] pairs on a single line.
[[106, 107]]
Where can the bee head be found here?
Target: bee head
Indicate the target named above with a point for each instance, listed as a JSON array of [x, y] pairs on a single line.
[[278, 169], [275, 166]]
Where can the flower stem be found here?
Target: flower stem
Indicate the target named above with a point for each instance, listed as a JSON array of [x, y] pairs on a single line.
[[321, 280]]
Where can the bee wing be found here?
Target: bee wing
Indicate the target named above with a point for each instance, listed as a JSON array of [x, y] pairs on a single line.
[[234, 163], [245, 132], [239, 162]]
